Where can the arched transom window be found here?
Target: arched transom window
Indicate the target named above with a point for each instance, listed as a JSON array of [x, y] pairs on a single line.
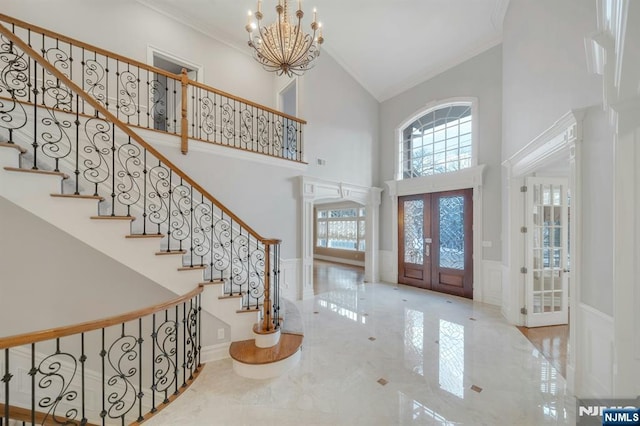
[[438, 142]]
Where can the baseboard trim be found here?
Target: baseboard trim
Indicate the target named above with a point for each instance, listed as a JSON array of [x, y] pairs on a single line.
[[338, 260], [215, 352]]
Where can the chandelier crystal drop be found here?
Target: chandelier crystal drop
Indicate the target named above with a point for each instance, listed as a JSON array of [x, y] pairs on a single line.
[[283, 47]]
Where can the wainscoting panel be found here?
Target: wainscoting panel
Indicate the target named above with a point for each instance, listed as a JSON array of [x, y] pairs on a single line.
[[388, 270], [595, 352], [290, 278], [491, 282]]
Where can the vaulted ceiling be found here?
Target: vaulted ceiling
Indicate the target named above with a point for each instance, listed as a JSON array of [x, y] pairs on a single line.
[[387, 45]]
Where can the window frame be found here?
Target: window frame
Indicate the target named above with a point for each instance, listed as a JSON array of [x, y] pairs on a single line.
[[428, 108]]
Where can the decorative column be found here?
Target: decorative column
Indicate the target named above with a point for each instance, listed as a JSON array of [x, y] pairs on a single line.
[[305, 289], [372, 227], [626, 266]]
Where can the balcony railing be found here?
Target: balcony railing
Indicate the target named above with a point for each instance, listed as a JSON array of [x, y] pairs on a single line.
[[151, 98]]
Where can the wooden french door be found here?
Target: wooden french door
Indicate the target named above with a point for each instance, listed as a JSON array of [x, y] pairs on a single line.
[[435, 247]]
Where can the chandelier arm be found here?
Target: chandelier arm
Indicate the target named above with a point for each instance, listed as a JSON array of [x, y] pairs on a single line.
[[304, 52], [292, 52], [270, 55], [280, 33]]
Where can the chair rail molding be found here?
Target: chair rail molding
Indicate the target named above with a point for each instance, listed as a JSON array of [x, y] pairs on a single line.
[[471, 177], [314, 190]]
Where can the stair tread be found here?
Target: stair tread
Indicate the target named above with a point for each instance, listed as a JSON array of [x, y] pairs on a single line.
[[214, 282], [247, 352], [79, 196], [246, 311], [192, 268], [162, 253], [40, 172], [14, 146], [145, 236], [227, 296], [113, 217]]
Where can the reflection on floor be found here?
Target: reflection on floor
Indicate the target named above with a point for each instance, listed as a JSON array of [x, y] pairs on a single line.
[[381, 354], [329, 276], [552, 342]]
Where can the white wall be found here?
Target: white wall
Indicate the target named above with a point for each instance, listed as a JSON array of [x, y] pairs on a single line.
[[127, 27], [479, 77], [544, 66], [343, 125], [596, 282], [50, 279]]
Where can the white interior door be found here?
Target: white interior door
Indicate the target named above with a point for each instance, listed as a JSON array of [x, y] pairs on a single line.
[[547, 252]]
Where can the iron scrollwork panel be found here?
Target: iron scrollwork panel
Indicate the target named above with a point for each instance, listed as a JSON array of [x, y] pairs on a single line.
[[207, 118], [128, 86], [122, 357], [166, 343], [55, 374], [94, 80], [14, 84], [246, 129]]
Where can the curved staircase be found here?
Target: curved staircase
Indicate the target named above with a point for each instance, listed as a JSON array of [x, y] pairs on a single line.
[[71, 158], [70, 154]]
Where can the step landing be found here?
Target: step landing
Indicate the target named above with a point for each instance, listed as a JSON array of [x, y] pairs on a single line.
[[254, 362]]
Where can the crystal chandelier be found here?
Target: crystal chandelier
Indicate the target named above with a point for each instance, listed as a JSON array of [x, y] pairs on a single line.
[[283, 47]]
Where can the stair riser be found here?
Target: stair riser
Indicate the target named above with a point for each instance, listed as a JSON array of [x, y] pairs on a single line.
[[266, 371], [21, 185], [9, 157]]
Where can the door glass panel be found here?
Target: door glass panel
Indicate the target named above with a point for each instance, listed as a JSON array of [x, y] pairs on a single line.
[[452, 232], [537, 305], [557, 301], [548, 301], [537, 281], [413, 231], [548, 242]]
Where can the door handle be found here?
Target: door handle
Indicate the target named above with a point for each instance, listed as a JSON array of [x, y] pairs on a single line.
[[426, 250]]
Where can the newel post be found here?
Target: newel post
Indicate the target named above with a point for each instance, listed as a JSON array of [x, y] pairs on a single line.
[[184, 124], [266, 318], [271, 303]]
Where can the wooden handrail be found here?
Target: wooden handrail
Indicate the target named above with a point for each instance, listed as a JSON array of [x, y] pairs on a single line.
[[125, 128], [229, 95], [58, 332], [139, 64]]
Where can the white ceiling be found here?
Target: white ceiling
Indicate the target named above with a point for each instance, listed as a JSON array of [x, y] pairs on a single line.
[[387, 45]]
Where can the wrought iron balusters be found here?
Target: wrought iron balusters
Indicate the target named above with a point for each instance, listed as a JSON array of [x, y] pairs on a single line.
[[117, 383]]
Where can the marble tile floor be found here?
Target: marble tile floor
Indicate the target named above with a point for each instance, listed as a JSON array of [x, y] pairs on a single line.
[[380, 354]]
